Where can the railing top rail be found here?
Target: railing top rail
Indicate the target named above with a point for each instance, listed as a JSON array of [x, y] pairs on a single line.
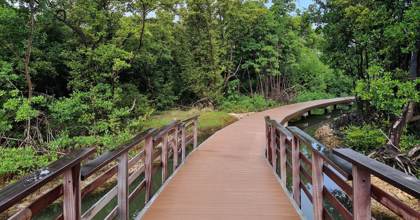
[[94, 165], [24, 187], [160, 132], [342, 166], [404, 182], [283, 130], [192, 118]]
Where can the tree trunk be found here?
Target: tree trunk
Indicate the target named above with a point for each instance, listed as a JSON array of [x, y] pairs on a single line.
[[250, 83], [395, 132], [414, 61], [413, 71], [28, 51], [27, 60], [143, 25]]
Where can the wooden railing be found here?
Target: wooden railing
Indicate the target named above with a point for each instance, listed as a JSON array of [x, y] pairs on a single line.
[[303, 164], [141, 156]]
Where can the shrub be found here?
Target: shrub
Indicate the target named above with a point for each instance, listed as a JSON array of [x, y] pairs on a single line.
[[408, 142], [385, 93], [312, 95], [101, 142], [242, 103], [17, 161], [364, 138]]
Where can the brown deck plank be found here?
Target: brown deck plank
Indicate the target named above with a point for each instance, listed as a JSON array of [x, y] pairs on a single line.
[[228, 177]]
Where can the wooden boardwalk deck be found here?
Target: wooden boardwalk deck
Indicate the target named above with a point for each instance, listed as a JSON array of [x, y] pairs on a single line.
[[228, 177]]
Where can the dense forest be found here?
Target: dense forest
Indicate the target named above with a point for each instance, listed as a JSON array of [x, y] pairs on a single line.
[[76, 73]]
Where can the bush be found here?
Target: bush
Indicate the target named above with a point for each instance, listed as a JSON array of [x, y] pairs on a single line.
[[101, 142], [312, 95], [364, 138], [242, 103], [17, 161], [408, 142]]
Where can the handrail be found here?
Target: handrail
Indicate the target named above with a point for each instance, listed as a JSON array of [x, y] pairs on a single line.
[[192, 118], [159, 145], [402, 181], [24, 187], [282, 129], [94, 165], [340, 166], [160, 132]]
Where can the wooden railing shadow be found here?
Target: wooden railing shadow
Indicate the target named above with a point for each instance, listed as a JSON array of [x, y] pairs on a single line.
[[141, 156], [300, 159]]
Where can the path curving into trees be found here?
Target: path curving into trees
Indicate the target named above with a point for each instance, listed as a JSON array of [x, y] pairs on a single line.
[[228, 177]]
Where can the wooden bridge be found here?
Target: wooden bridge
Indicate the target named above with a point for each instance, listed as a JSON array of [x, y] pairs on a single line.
[[256, 168]]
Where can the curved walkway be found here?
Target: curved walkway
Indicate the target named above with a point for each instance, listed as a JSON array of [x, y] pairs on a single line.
[[228, 177]]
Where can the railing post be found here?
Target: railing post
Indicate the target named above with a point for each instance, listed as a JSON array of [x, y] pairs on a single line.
[[148, 167], [195, 132], [273, 148], [267, 136], [183, 147], [317, 185], [283, 172], [175, 148], [122, 186], [361, 193], [71, 193], [164, 157], [296, 170], [268, 150]]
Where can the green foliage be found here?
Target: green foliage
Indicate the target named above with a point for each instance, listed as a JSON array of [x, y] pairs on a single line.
[[386, 93], [108, 61], [15, 108], [244, 103], [408, 142], [101, 142], [92, 73], [209, 119], [369, 137], [364, 138], [21, 160], [372, 32], [309, 96], [235, 102]]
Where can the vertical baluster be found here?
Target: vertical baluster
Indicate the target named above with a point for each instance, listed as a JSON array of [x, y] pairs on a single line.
[[283, 172], [122, 186], [164, 157], [148, 166], [195, 132], [361, 193], [175, 148], [296, 170], [183, 147], [317, 185], [71, 187], [273, 147]]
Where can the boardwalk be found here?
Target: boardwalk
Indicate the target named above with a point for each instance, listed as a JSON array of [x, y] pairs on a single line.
[[227, 177]]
